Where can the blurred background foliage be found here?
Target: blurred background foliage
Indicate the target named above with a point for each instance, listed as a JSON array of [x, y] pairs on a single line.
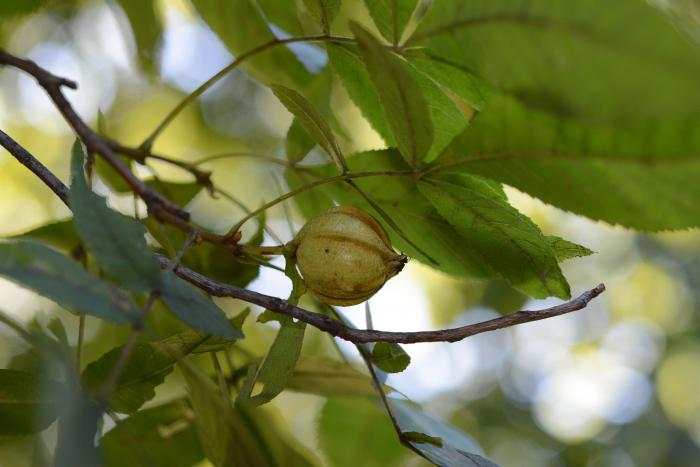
[[617, 384]]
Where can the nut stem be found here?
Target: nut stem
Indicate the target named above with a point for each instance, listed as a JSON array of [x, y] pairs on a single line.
[[251, 250]]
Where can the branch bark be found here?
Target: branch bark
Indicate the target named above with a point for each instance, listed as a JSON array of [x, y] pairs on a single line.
[[358, 336]]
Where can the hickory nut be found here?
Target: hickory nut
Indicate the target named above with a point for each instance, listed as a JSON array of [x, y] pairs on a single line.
[[344, 256]]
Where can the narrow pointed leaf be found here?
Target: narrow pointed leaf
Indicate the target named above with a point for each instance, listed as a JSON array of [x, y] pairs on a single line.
[[457, 81], [446, 107], [347, 64], [323, 11], [508, 240], [278, 365], [146, 28], [194, 308], [401, 97], [564, 249], [59, 278], [391, 16], [298, 142], [117, 241], [311, 119]]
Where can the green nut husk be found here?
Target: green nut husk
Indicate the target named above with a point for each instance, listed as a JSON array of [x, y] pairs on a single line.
[[344, 256]]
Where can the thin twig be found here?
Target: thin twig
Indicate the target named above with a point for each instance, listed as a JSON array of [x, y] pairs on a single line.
[[324, 181], [376, 382], [81, 339], [227, 69], [338, 329], [233, 155]]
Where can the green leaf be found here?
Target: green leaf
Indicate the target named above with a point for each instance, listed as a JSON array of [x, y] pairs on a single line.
[[400, 95], [564, 249], [390, 358], [241, 27], [117, 241], [453, 80], [61, 235], [312, 121], [238, 435], [355, 432], [511, 243], [438, 441], [327, 377], [8, 9], [58, 278], [111, 178], [416, 437], [162, 436], [348, 66], [146, 369], [323, 11], [215, 343], [448, 119], [298, 142], [572, 59], [146, 28], [506, 127], [215, 422], [641, 180], [283, 15], [55, 326], [193, 307], [391, 16], [26, 403], [643, 197], [179, 193], [278, 365]]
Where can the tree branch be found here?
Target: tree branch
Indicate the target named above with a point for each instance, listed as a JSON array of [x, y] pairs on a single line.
[[33, 164], [167, 211], [338, 329], [318, 320], [93, 141]]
